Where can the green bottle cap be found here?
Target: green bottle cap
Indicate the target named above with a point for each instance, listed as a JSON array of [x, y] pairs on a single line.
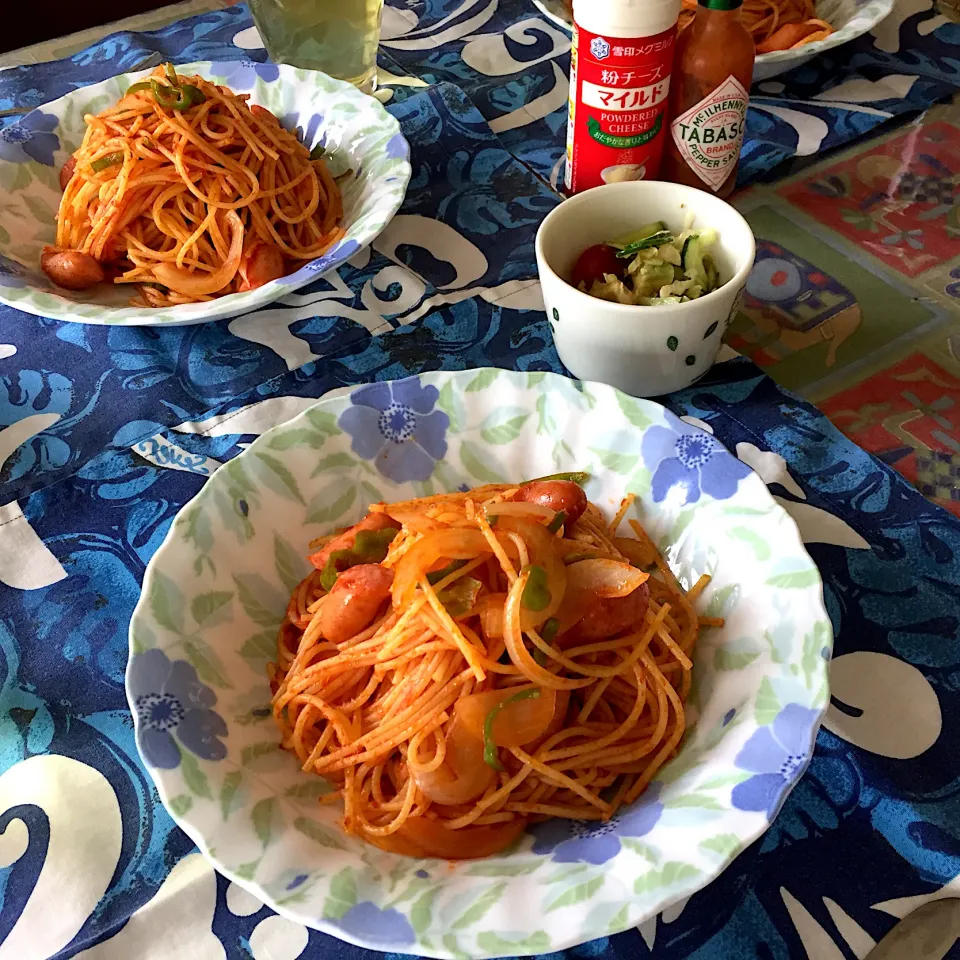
[[720, 4]]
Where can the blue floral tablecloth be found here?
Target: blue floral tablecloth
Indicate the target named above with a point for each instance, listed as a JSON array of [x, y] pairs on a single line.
[[106, 432]]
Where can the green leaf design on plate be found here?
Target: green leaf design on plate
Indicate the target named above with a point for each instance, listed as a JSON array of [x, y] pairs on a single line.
[[322, 421], [641, 848], [695, 800], [181, 804], [545, 422], [251, 589], [206, 662], [723, 844], [421, 911], [343, 895], [768, 706], [760, 546], [480, 907], [725, 659], [205, 605], [319, 834], [503, 868], [669, 874], [490, 942], [290, 564], [317, 513], [310, 789], [482, 380], [228, 791], [813, 643], [166, 602], [633, 411], [617, 462], [246, 871], [193, 776], [576, 894], [298, 437], [504, 425], [795, 579], [260, 649], [335, 461], [452, 944], [279, 478], [264, 817], [473, 460], [618, 921], [253, 751], [535, 379], [565, 873], [451, 404], [721, 601]]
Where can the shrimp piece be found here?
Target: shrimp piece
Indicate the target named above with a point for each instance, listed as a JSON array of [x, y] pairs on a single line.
[[354, 601]]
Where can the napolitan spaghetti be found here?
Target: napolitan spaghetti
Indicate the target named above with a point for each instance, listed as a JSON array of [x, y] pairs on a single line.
[[463, 664], [187, 191], [775, 24]]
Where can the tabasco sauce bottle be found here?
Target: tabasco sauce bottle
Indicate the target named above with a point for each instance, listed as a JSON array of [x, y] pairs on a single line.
[[708, 98]]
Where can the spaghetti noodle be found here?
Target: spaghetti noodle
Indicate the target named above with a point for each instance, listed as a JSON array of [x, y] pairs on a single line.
[[187, 191], [775, 24], [463, 664]]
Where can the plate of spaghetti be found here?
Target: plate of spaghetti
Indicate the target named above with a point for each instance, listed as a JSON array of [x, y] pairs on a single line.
[[478, 663], [196, 192], [786, 32]]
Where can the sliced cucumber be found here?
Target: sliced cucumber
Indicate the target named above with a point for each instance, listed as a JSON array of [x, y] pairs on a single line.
[[692, 259], [647, 230], [713, 276], [654, 240]]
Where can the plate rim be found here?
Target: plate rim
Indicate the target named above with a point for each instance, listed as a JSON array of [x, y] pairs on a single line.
[[223, 308], [683, 890]]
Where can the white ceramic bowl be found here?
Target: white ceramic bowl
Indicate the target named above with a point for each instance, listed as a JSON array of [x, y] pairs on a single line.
[[216, 590], [644, 351]]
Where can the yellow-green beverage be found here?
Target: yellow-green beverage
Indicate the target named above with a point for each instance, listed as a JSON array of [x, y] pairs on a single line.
[[338, 37]]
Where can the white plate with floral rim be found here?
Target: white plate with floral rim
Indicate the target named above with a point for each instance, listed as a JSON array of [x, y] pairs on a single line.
[[357, 132], [216, 590], [849, 19]]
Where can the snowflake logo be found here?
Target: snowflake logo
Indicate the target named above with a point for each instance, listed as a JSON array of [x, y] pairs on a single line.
[[600, 48]]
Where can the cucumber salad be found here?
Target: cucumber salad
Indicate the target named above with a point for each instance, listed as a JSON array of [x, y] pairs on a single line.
[[650, 266]]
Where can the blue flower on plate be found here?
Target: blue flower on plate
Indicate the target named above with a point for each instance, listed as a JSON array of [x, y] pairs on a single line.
[[170, 699], [366, 921], [589, 841], [241, 75], [683, 454], [31, 138], [775, 755], [396, 426]]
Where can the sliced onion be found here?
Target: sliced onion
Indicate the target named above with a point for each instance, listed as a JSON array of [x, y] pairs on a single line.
[[513, 638], [490, 609], [463, 776], [511, 508], [200, 284], [451, 544], [545, 551], [516, 723], [636, 551], [416, 522], [605, 578]]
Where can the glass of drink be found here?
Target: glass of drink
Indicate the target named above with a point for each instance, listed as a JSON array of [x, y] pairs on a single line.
[[337, 37]]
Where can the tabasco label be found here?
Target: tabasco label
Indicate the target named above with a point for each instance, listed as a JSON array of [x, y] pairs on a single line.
[[618, 95], [710, 133]]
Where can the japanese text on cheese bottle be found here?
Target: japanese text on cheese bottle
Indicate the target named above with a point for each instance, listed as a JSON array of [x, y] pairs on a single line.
[[619, 88]]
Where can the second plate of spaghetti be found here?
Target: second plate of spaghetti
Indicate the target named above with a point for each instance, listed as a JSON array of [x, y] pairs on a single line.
[[195, 192], [478, 663]]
